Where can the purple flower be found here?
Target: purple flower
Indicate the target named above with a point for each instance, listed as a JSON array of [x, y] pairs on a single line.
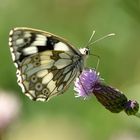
[[90, 83], [86, 82]]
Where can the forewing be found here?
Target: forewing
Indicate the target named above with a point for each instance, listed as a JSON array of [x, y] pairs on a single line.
[[25, 42]]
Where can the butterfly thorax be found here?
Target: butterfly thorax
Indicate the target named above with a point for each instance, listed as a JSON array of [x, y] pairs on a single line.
[[84, 51]]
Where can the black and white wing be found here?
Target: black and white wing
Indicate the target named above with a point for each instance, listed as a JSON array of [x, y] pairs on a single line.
[[46, 64]]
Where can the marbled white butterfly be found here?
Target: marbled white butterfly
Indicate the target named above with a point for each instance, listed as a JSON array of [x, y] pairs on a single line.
[[46, 64]]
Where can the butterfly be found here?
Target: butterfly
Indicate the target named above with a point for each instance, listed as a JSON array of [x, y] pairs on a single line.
[[46, 63]]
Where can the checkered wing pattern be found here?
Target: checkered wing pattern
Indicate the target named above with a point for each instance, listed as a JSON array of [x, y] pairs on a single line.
[[46, 64]]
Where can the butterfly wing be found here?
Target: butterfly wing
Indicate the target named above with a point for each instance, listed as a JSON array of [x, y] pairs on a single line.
[[46, 64], [24, 42]]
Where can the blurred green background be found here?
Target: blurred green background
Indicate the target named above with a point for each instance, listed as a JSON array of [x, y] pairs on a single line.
[[66, 117]]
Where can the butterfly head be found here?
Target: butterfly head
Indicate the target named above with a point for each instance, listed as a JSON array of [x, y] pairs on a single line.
[[84, 51]]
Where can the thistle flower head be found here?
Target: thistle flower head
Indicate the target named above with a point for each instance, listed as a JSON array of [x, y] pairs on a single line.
[[90, 83], [86, 82]]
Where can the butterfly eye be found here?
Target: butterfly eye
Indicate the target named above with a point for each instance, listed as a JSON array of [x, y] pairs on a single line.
[[86, 51]]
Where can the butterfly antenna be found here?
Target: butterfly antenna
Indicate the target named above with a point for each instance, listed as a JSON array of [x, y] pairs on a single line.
[[109, 35], [87, 45]]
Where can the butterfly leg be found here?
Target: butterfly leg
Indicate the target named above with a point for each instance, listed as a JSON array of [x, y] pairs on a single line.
[[98, 61]]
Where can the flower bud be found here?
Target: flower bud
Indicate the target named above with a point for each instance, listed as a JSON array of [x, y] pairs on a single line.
[[131, 107], [111, 98]]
